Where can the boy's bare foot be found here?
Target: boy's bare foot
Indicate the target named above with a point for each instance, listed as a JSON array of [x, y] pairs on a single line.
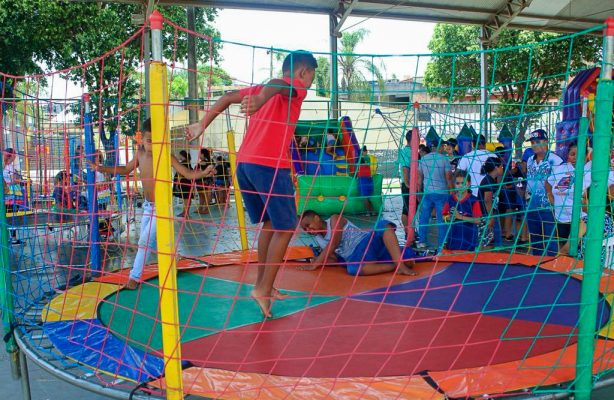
[[405, 270], [308, 267], [132, 284], [264, 302], [278, 295]]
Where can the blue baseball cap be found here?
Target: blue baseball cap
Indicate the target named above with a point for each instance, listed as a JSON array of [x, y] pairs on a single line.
[[538, 134]]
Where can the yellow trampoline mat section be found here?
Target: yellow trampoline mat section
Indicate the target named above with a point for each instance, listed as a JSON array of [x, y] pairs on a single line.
[[79, 302]]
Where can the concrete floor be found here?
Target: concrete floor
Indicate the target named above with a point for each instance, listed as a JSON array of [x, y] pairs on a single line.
[[214, 233]]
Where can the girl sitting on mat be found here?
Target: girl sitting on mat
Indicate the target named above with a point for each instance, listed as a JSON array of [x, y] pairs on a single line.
[[362, 252]]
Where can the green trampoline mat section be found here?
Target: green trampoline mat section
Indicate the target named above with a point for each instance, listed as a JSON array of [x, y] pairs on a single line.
[[206, 306]]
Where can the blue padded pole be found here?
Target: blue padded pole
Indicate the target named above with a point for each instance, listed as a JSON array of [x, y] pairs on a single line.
[[118, 181], [92, 203]]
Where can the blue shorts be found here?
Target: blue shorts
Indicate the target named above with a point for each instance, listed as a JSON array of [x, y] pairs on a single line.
[[268, 195], [221, 182], [372, 248], [365, 186]]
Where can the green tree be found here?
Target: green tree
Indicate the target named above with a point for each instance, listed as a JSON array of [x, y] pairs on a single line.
[[356, 71], [64, 34], [206, 77], [322, 79], [523, 77], [179, 85]]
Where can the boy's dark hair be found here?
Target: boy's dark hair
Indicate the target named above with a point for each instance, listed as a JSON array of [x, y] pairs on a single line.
[[219, 158], [461, 173], [309, 214], [424, 148], [408, 136], [206, 153], [186, 155], [146, 125], [60, 176], [490, 164], [299, 58], [572, 144]]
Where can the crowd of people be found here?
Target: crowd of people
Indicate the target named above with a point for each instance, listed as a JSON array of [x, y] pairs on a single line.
[[483, 200]]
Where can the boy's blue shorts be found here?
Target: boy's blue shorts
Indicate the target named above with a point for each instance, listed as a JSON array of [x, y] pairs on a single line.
[[372, 248], [268, 195], [365, 186], [219, 182]]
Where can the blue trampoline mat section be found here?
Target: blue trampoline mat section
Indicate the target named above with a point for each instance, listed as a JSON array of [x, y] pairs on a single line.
[[509, 291], [91, 343]]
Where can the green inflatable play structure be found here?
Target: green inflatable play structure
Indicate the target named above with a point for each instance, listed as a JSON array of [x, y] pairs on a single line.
[[327, 162]]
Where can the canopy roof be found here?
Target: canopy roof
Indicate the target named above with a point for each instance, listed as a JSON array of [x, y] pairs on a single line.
[[550, 15]]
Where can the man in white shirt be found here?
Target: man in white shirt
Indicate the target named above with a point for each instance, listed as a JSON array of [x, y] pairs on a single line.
[[472, 162]]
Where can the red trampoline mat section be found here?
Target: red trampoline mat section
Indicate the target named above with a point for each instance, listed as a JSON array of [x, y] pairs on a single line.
[[350, 338]]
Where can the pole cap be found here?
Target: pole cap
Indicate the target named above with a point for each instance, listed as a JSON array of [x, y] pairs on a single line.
[[609, 28], [416, 105], [155, 20]]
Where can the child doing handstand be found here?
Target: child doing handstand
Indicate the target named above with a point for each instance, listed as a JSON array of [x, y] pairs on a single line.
[[363, 252]]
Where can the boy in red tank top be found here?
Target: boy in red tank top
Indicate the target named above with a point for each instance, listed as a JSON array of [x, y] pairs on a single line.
[[263, 169]]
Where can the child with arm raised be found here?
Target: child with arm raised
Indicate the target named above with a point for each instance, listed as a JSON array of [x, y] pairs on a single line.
[[143, 160], [263, 170]]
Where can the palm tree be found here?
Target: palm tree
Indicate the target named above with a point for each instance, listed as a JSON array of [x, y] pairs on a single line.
[[357, 72]]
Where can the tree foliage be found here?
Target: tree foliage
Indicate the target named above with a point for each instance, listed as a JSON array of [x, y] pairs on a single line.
[[206, 77], [522, 77], [63, 34], [322, 79], [357, 72]]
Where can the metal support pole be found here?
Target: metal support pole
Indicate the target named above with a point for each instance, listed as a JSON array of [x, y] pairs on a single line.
[[167, 268], [604, 103], [192, 67], [92, 198], [25, 376], [147, 59], [334, 69], [484, 83], [578, 178]]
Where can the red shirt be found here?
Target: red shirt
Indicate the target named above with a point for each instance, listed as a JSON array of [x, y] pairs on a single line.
[[364, 171], [271, 129], [469, 205]]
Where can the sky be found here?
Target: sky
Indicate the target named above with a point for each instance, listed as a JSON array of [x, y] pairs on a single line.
[[247, 34], [293, 31]]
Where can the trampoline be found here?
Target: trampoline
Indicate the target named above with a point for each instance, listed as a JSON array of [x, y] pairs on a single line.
[[23, 221], [467, 325]]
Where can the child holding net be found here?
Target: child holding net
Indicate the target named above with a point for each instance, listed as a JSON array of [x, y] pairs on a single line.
[[143, 160]]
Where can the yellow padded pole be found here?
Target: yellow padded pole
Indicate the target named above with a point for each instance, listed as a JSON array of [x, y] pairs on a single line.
[[165, 235], [232, 155]]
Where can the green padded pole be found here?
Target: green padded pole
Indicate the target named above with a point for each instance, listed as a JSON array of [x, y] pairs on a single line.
[[578, 180], [594, 238], [6, 290]]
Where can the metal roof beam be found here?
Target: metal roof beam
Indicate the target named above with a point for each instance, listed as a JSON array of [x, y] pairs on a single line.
[[502, 18], [345, 13], [429, 6]]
